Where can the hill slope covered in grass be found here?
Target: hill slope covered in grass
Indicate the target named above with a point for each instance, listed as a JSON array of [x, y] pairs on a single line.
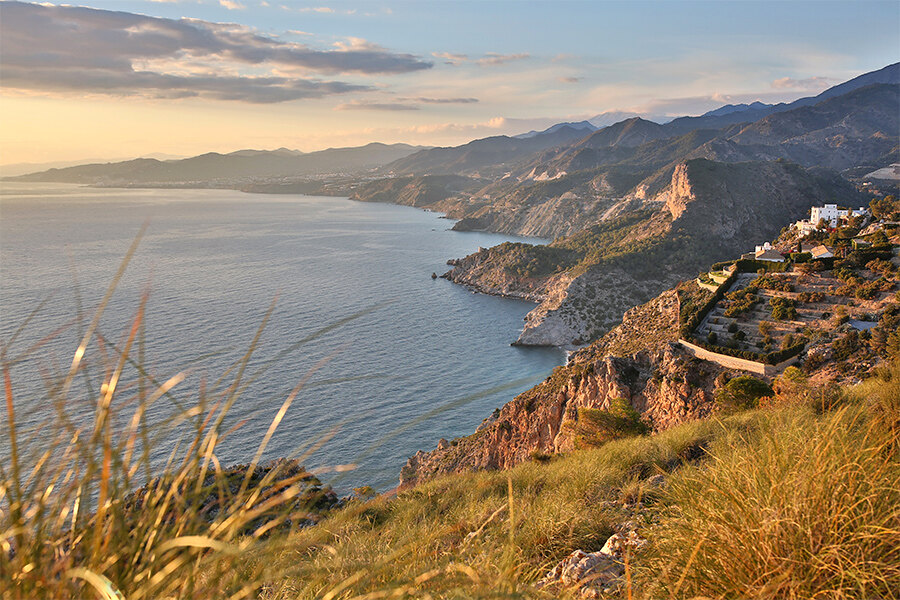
[[785, 501]]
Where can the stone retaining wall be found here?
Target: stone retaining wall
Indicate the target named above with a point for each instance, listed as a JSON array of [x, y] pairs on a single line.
[[733, 362]]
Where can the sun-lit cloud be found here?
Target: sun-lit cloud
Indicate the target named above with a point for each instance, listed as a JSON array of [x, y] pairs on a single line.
[[446, 100], [808, 84], [91, 51], [451, 59], [492, 58], [232, 5], [384, 106]]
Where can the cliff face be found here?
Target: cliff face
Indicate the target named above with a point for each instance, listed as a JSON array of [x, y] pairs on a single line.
[[659, 380], [708, 212]]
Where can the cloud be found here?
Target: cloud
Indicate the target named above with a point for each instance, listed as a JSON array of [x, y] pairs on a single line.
[[232, 5], [388, 106], [401, 103], [315, 9], [808, 84], [569, 79], [66, 49], [451, 59], [447, 100], [492, 58]]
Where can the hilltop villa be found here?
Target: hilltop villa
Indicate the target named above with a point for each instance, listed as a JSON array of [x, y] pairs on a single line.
[[832, 215]]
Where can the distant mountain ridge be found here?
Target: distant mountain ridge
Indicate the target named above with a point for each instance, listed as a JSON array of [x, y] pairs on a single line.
[[234, 167]]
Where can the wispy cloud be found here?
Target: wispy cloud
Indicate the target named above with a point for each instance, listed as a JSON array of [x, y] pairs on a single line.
[[451, 59], [492, 58], [85, 50], [446, 100], [569, 79], [232, 5], [384, 106], [808, 84]]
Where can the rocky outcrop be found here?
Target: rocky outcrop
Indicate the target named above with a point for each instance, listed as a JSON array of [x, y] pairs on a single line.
[[580, 309], [666, 386], [656, 377]]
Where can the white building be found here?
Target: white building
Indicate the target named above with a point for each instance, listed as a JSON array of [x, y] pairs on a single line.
[[832, 214]]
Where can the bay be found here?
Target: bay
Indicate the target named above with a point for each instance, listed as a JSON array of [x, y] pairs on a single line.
[[410, 360]]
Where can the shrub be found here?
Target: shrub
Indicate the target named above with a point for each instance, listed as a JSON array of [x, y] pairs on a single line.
[[712, 338], [596, 427], [742, 393]]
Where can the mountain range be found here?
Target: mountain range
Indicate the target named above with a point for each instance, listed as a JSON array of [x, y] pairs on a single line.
[[228, 169]]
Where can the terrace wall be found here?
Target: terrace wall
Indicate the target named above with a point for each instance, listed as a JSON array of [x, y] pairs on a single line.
[[733, 362]]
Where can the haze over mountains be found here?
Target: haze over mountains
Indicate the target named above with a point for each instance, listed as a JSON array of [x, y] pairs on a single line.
[[234, 168]]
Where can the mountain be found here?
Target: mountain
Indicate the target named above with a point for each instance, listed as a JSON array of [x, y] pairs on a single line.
[[235, 167], [586, 126], [735, 108], [614, 116], [755, 111], [487, 156]]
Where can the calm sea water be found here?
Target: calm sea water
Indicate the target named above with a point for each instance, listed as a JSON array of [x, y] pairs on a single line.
[[430, 360]]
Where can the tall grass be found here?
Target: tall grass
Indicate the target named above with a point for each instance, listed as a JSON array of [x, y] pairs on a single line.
[[808, 508], [72, 524]]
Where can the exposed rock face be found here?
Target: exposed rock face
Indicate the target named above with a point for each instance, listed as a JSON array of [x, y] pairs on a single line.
[[487, 272], [709, 212], [658, 379]]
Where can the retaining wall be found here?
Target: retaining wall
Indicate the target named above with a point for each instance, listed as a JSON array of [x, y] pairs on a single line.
[[733, 362]]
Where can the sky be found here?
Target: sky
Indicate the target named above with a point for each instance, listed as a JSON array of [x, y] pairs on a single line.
[[116, 79]]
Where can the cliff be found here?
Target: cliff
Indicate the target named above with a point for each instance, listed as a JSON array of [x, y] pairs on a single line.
[[661, 382], [708, 212]]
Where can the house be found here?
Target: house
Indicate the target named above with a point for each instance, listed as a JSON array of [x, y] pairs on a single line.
[[764, 247], [770, 255], [833, 214], [821, 251], [805, 227]]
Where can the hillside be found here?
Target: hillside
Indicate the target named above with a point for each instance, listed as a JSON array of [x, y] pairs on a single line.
[[844, 316], [708, 212], [563, 189]]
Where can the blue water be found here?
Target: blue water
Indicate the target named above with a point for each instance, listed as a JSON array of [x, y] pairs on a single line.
[[430, 359]]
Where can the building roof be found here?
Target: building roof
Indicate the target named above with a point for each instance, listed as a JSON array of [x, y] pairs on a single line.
[[821, 251], [772, 255]]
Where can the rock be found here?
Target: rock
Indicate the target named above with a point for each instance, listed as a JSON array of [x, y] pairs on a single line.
[[618, 544], [665, 386], [584, 571], [657, 481], [434, 275]]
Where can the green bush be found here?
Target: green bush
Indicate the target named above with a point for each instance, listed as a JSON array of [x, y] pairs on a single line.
[[742, 393], [596, 427]]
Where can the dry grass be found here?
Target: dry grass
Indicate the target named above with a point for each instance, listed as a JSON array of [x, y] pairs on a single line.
[[70, 524], [808, 509]]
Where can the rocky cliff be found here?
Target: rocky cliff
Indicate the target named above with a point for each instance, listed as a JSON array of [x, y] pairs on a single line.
[[664, 384], [708, 212]]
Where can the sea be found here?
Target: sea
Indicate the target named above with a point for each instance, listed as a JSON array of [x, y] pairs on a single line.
[[391, 360]]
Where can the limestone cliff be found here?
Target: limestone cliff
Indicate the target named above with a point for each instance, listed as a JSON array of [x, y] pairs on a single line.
[[658, 379], [708, 212]]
